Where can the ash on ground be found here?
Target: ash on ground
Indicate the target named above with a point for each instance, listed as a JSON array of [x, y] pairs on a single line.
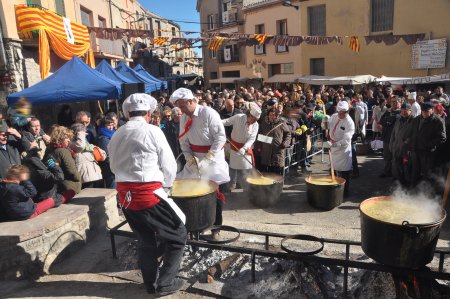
[[275, 278]]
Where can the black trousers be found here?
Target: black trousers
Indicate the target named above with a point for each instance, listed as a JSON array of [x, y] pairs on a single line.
[[160, 233], [422, 166], [219, 207]]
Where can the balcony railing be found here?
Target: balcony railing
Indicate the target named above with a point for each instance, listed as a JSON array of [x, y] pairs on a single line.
[[113, 47], [234, 57]]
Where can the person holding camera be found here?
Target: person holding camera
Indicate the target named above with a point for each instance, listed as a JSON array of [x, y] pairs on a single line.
[[36, 137]]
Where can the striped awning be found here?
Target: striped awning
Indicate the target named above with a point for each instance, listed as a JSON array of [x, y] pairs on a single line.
[[32, 19]]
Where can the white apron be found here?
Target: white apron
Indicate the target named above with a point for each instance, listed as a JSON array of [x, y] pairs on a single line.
[[216, 172], [341, 133]]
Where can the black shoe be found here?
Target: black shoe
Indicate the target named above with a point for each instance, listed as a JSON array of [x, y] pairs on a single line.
[[176, 285]]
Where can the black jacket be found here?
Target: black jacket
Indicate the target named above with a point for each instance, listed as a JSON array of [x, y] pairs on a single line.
[[45, 180], [387, 121], [171, 130], [427, 134], [16, 200], [10, 156]]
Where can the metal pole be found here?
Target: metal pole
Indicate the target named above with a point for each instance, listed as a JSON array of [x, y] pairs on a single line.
[[347, 257], [253, 267]]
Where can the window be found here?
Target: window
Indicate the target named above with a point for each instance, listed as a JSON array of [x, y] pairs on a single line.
[[212, 54], [158, 28], [211, 22], [230, 53], [281, 68], [174, 32], [34, 2], [382, 15], [86, 16], [260, 49], [282, 30], [59, 7], [317, 66], [213, 75], [231, 74], [101, 22], [317, 20]]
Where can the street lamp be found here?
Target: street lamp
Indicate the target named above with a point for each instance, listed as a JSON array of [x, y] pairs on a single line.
[[288, 3]]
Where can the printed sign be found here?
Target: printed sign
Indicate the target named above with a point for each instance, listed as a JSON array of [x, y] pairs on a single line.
[[429, 54]]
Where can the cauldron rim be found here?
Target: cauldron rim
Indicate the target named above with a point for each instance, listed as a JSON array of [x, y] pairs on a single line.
[[340, 181], [277, 179], [213, 184], [421, 225]]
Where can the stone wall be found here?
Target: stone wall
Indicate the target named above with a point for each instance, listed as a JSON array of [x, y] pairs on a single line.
[[28, 249]]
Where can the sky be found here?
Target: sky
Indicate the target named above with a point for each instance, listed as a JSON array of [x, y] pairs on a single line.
[[177, 10]]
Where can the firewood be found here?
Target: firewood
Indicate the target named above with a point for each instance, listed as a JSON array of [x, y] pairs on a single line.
[[217, 270]]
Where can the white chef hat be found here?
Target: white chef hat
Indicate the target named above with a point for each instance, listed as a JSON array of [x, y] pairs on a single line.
[[412, 95], [181, 94], [342, 106], [139, 102], [255, 110]]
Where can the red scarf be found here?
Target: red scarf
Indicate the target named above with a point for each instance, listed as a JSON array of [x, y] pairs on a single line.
[[138, 196], [187, 127], [66, 147]]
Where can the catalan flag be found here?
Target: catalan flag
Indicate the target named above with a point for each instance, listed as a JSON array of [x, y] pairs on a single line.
[[216, 43], [33, 19], [354, 44], [160, 40], [261, 38]]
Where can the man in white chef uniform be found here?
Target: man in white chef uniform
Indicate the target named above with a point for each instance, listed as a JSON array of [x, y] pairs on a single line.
[[341, 129], [143, 164], [202, 140], [243, 135]]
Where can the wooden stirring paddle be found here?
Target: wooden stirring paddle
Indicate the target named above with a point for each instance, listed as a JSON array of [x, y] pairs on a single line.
[[446, 190]]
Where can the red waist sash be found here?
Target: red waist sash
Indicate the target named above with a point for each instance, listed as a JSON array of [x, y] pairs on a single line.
[[200, 148], [138, 196], [236, 146]]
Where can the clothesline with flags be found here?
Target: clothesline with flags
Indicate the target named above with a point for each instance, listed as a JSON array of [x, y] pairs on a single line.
[[216, 40]]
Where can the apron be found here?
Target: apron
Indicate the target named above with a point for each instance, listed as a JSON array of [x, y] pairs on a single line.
[[236, 159], [342, 155]]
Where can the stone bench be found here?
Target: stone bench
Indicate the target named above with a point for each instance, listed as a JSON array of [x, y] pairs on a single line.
[[29, 248]]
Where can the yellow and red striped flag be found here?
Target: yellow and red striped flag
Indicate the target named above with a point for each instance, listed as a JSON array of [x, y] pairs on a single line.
[[216, 43], [160, 40], [261, 38], [354, 44]]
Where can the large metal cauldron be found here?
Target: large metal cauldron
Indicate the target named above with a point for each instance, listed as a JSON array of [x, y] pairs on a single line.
[[325, 197], [400, 245], [200, 209], [265, 196]]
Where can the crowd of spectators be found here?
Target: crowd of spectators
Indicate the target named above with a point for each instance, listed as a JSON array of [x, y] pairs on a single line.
[[43, 169]]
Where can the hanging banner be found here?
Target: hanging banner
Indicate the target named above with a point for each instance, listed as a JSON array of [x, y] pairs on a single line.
[[227, 54], [69, 33], [33, 19]]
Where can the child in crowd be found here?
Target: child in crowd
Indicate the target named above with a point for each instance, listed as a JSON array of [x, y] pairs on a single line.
[[16, 196], [21, 115]]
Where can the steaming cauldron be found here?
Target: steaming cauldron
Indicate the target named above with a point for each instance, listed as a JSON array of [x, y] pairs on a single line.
[[199, 206], [262, 194], [400, 245], [325, 196]]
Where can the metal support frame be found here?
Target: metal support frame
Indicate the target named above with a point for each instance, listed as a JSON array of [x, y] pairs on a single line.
[[345, 263]]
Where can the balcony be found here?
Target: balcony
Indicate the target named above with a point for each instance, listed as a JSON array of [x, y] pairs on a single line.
[[233, 57], [106, 46], [256, 3]]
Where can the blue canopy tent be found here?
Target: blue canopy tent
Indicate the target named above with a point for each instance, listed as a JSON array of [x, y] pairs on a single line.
[[106, 69], [141, 71], [75, 81], [128, 72]]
